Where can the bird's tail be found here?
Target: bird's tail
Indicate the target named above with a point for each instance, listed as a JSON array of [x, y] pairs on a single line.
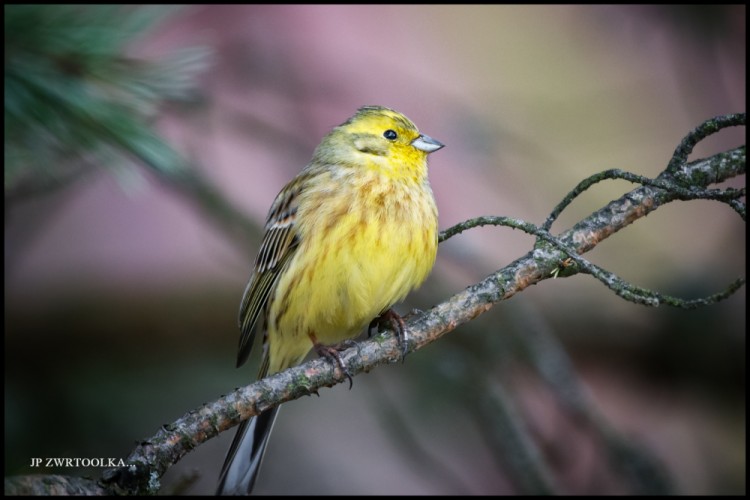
[[246, 453]]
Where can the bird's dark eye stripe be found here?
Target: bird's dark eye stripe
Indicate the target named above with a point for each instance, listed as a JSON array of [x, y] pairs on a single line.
[[390, 134]]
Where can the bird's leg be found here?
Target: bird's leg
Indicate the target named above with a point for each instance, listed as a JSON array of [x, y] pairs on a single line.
[[396, 322], [332, 353]]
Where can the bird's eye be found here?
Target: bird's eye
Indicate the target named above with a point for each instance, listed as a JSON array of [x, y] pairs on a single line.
[[390, 135]]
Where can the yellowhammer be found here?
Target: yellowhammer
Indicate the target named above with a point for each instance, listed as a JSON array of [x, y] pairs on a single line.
[[353, 233]]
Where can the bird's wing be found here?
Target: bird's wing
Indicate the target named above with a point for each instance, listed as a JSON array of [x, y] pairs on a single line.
[[280, 241]]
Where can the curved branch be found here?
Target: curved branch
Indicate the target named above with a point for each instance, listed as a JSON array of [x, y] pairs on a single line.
[[152, 457]]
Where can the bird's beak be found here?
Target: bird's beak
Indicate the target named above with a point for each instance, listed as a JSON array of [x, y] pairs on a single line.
[[427, 144]]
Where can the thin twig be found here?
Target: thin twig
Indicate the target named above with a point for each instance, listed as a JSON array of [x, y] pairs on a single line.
[[152, 457]]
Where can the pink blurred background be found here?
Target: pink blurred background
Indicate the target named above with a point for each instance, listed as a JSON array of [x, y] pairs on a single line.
[[121, 296]]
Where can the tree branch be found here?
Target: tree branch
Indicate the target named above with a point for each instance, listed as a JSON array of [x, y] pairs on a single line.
[[551, 257]]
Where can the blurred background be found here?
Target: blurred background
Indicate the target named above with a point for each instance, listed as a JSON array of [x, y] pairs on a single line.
[[124, 266]]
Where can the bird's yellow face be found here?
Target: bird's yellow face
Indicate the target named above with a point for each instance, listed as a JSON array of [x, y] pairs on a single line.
[[387, 141]]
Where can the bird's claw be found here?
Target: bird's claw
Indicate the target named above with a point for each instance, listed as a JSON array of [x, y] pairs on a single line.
[[332, 353], [396, 322]]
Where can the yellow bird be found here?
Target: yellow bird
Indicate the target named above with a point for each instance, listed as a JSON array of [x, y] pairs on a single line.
[[352, 234]]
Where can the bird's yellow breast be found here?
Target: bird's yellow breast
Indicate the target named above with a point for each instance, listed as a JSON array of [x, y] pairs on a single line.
[[375, 240]]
